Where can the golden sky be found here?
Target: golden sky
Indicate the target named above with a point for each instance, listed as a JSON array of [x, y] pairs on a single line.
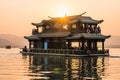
[[16, 15]]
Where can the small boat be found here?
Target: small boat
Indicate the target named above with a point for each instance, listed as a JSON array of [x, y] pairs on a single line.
[[8, 47]]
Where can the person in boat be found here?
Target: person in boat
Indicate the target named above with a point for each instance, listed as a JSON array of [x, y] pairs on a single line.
[[91, 29], [95, 29], [25, 49], [86, 28], [99, 29]]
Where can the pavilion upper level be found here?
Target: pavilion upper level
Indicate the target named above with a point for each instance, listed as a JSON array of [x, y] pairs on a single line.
[[74, 24]]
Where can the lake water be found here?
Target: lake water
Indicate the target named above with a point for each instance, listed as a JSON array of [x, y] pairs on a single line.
[[15, 66]]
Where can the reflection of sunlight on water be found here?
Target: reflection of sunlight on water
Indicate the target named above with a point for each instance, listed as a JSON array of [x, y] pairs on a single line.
[[99, 66], [75, 67], [11, 65], [102, 68], [6, 51], [14, 66], [114, 69]]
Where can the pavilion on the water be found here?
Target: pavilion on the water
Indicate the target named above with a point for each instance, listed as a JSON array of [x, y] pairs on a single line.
[[75, 32]]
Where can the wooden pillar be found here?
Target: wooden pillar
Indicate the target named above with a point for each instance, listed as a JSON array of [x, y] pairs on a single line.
[[29, 44], [102, 45], [37, 29], [89, 44], [79, 44], [95, 45], [61, 43], [50, 43], [69, 44], [82, 44], [42, 44], [35, 44]]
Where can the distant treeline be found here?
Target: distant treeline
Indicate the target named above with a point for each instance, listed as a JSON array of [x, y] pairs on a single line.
[[19, 42], [12, 40]]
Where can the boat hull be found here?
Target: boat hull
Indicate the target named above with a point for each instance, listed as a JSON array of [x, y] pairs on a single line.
[[58, 54]]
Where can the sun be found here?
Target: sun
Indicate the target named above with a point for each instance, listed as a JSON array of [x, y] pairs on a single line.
[[61, 12]]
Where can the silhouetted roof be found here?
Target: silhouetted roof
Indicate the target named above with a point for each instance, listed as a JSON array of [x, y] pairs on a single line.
[[37, 24], [90, 20], [47, 35], [32, 37], [67, 34], [70, 20], [88, 36], [54, 34]]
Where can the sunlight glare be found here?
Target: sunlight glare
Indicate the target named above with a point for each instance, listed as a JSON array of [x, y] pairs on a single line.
[[61, 12]]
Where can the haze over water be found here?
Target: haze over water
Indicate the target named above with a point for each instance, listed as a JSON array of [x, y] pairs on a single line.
[[15, 66], [16, 16]]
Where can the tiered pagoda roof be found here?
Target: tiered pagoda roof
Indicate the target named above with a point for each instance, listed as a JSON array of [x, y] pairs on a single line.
[[68, 34], [69, 20]]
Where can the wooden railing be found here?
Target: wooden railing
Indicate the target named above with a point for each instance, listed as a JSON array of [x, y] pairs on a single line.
[[64, 51], [61, 51]]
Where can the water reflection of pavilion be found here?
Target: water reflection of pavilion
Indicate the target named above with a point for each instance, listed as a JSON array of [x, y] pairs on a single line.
[[69, 68]]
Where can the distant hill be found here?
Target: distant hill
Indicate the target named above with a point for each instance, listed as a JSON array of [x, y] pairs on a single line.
[[19, 42], [13, 40], [113, 42]]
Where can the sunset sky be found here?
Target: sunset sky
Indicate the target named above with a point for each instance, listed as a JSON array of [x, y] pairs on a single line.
[[16, 15]]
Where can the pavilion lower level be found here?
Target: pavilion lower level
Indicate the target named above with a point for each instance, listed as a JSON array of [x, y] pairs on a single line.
[[84, 41]]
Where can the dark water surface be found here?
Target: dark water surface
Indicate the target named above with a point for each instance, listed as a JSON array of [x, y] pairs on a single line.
[[15, 66]]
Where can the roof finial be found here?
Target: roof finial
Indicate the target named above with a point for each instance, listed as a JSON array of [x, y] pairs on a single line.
[[50, 17], [82, 13], [65, 14]]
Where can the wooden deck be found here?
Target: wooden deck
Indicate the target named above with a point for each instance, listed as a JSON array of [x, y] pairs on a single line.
[[57, 54], [64, 52]]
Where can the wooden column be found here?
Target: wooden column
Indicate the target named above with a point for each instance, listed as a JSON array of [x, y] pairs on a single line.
[[102, 45], [35, 44], [89, 44], [29, 44], [79, 44], [50, 44], [69, 44], [37, 29], [82, 44], [95, 45], [61, 43]]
